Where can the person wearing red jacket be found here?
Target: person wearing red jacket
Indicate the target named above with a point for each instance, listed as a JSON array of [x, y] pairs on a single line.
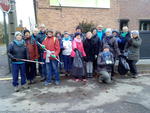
[[52, 47], [32, 54]]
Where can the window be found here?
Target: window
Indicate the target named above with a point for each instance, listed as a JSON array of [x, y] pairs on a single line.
[[145, 25], [81, 3], [123, 22]]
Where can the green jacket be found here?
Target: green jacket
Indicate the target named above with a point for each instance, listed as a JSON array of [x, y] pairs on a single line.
[[133, 48]]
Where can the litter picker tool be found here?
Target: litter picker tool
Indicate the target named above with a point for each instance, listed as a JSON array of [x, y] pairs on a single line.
[[30, 61], [48, 50]]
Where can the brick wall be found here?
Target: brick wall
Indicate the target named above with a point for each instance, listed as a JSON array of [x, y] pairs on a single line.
[[134, 10], [69, 18]]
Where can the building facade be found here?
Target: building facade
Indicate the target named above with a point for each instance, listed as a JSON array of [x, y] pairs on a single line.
[[133, 13]]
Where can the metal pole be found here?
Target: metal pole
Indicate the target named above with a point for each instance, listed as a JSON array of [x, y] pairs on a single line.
[[6, 38]]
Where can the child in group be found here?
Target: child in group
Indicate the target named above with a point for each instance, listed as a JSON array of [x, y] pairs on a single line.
[[105, 61], [78, 53], [89, 48], [67, 49], [16, 51], [52, 46]]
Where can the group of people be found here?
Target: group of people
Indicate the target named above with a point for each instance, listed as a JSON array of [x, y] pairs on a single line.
[[79, 55]]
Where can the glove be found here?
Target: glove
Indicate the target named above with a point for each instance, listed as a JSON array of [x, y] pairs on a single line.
[[53, 56], [36, 59], [95, 56], [43, 46]]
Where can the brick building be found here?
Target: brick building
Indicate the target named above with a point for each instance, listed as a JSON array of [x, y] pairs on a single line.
[[134, 13]]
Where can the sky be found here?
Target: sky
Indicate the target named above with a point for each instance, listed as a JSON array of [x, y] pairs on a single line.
[[25, 12]]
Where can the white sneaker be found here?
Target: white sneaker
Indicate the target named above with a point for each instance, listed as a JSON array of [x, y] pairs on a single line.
[[16, 89]]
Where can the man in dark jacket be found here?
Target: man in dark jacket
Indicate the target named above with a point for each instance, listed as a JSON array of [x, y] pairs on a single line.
[[40, 38], [32, 52], [17, 50], [112, 42], [133, 49]]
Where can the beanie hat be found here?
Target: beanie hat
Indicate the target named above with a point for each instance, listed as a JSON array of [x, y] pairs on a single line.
[[115, 31], [25, 31], [18, 33], [136, 32], [77, 33], [108, 30], [106, 46]]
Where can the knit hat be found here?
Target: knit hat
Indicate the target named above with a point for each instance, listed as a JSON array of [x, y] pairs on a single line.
[[18, 33], [66, 32], [106, 46], [76, 34], [136, 32], [108, 30], [25, 31], [115, 31]]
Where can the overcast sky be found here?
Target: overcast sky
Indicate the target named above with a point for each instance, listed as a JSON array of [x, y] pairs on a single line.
[[25, 12]]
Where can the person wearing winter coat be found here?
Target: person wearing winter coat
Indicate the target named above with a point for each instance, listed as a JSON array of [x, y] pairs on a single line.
[[59, 36], [112, 42], [116, 34], [35, 34], [105, 61], [51, 54], [66, 52], [132, 47], [77, 47], [124, 37], [32, 52], [79, 30], [89, 49], [17, 50], [98, 45], [40, 38], [100, 32]]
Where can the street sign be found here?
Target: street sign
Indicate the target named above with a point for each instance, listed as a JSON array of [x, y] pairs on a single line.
[[5, 5]]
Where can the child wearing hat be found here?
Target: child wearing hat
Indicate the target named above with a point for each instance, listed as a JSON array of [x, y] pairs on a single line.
[[66, 52], [105, 61], [78, 53], [16, 51]]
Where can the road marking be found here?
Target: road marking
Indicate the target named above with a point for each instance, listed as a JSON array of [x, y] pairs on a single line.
[[9, 78]]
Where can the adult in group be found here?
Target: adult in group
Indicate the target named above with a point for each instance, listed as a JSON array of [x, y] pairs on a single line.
[[132, 47], [17, 50], [100, 32], [112, 42], [52, 46], [124, 37], [32, 52], [40, 38]]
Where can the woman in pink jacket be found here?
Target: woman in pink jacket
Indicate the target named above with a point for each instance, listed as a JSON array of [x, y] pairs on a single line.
[[78, 53]]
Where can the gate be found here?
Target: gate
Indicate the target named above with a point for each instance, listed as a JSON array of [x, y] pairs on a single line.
[[145, 47]]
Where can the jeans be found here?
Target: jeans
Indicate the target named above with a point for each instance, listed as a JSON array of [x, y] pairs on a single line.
[[52, 68], [42, 67], [89, 67], [67, 63], [132, 65], [16, 68], [30, 70]]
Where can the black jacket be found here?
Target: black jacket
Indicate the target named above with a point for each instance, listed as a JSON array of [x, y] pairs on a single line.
[[89, 49], [98, 44], [15, 51]]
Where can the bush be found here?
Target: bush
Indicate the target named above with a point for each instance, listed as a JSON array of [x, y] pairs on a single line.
[[86, 26]]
